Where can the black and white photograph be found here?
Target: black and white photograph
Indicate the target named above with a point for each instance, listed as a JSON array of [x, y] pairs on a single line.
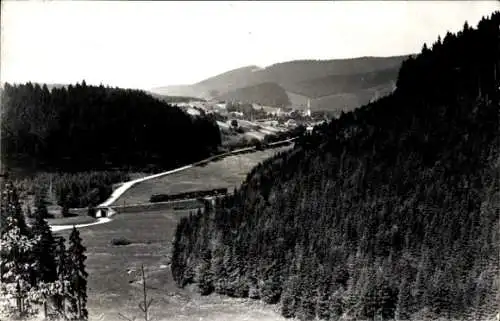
[[250, 160]]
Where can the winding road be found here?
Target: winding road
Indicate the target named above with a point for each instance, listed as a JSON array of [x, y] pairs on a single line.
[[102, 220], [127, 185], [114, 196]]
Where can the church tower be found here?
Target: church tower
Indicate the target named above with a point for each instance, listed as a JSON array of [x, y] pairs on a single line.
[[308, 110]]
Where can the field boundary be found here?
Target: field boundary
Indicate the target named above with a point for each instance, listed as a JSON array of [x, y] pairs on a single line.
[[188, 203]]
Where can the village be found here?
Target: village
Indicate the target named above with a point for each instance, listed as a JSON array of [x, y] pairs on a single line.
[[265, 119]]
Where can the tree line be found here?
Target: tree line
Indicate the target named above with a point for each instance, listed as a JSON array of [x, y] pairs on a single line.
[[36, 269], [81, 127], [72, 190], [389, 211]]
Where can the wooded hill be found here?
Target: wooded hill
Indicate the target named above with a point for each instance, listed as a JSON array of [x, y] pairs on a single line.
[[82, 127], [346, 83], [389, 211], [266, 94]]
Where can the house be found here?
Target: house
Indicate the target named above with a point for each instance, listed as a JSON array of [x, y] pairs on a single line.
[[291, 123], [103, 212], [236, 114]]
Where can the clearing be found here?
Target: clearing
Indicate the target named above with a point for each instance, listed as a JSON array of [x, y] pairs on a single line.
[[113, 283]]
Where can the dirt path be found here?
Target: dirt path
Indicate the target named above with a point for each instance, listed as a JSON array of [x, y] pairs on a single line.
[[57, 228]]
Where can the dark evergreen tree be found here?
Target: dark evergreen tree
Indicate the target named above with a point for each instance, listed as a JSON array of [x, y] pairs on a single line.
[[11, 207], [16, 252], [62, 268], [205, 277], [29, 213], [44, 250], [65, 210], [91, 211], [77, 277], [41, 206]]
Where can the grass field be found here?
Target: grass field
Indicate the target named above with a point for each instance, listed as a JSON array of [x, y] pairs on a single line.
[[112, 290], [228, 172], [80, 219]]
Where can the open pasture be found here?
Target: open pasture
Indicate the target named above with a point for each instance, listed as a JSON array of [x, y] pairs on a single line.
[[114, 274], [228, 172]]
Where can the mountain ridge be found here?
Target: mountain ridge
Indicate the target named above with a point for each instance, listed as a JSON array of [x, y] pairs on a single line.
[[296, 76]]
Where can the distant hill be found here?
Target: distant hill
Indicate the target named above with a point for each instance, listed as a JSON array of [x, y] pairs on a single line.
[[175, 99], [358, 78], [268, 94], [338, 84], [178, 90]]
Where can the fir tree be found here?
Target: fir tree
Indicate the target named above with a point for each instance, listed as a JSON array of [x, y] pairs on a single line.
[[62, 265], [205, 277], [65, 209], [77, 277], [29, 213], [16, 248], [44, 250], [17, 268], [41, 206], [10, 206], [403, 308]]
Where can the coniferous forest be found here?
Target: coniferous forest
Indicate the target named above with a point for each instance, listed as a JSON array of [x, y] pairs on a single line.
[[390, 211], [81, 128]]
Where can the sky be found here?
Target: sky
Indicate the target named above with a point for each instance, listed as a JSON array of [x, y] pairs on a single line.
[[150, 44]]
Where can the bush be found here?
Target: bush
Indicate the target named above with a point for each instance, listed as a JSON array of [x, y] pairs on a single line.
[[186, 195], [91, 211], [65, 211], [120, 241]]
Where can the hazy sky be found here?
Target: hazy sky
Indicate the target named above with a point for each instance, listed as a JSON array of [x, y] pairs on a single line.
[[148, 44]]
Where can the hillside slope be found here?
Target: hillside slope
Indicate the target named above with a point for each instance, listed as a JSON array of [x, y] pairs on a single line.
[[389, 211], [267, 94], [338, 84], [213, 86], [311, 78]]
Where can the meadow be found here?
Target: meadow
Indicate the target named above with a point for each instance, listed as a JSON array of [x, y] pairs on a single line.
[[226, 173], [114, 270], [114, 274]]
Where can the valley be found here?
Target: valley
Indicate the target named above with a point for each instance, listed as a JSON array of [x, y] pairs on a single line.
[[333, 189], [349, 83], [113, 289]]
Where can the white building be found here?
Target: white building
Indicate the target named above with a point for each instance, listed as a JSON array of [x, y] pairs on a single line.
[[236, 114], [308, 110], [291, 123]]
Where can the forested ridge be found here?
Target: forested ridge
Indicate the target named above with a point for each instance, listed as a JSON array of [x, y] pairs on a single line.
[[85, 127], [390, 211]]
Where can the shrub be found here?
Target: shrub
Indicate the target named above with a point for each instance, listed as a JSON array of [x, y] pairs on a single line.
[[91, 211], [120, 241], [65, 211]]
